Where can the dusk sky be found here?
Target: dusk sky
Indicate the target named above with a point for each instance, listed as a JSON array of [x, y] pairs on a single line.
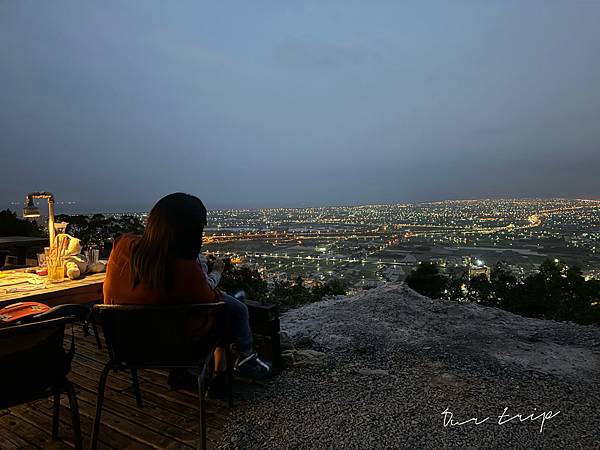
[[275, 103]]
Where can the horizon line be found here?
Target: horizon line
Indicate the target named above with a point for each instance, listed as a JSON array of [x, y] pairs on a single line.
[[345, 205]]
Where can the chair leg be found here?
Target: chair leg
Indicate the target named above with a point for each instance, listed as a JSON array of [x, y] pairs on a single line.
[[211, 363], [229, 363], [96, 335], [136, 388], [99, 401], [55, 414], [201, 393], [75, 417]]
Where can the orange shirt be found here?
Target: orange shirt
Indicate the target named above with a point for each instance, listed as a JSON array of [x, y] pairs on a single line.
[[189, 284]]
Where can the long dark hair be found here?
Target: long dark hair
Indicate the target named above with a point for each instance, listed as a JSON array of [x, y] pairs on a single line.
[[173, 231]]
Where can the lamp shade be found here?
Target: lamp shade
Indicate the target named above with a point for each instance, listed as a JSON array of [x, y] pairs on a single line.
[[31, 211]]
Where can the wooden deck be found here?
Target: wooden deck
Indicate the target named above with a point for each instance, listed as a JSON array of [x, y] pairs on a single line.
[[167, 419]]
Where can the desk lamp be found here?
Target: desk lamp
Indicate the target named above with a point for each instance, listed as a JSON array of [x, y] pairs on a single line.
[[31, 211]]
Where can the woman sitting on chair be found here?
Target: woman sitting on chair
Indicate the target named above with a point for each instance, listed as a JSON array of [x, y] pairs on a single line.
[[160, 267]]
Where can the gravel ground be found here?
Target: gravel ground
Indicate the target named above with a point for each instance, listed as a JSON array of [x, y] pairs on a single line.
[[395, 360]]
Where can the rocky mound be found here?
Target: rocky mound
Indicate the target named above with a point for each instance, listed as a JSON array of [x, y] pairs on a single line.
[[387, 367]]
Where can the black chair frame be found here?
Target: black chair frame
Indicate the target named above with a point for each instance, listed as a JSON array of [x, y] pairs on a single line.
[[118, 362], [54, 388], [83, 313]]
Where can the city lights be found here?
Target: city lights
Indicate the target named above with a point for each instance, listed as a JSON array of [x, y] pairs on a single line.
[[380, 243]]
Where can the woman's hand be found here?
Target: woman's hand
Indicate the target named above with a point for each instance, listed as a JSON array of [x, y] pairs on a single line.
[[218, 265]]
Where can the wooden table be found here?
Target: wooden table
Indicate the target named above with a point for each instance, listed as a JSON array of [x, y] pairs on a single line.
[[84, 290]]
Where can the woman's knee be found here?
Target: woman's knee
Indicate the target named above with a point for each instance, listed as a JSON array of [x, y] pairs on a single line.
[[243, 310], [235, 307]]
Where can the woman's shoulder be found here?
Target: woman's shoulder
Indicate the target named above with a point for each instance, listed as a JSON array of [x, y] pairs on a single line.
[[124, 242], [126, 238]]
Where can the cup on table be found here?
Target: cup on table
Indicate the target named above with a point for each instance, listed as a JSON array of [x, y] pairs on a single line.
[[41, 259], [92, 255], [56, 268]]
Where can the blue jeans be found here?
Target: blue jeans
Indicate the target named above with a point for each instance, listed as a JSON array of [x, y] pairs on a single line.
[[240, 323]]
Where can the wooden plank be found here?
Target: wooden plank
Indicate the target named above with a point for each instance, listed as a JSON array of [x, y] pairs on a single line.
[[178, 406], [108, 438], [116, 380], [121, 425], [159, 396], [34, 435], [143, 417], [40, 415], [10, 441], [164, 411]]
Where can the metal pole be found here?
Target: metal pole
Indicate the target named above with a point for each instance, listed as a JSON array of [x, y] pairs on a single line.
[[51, 230]]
